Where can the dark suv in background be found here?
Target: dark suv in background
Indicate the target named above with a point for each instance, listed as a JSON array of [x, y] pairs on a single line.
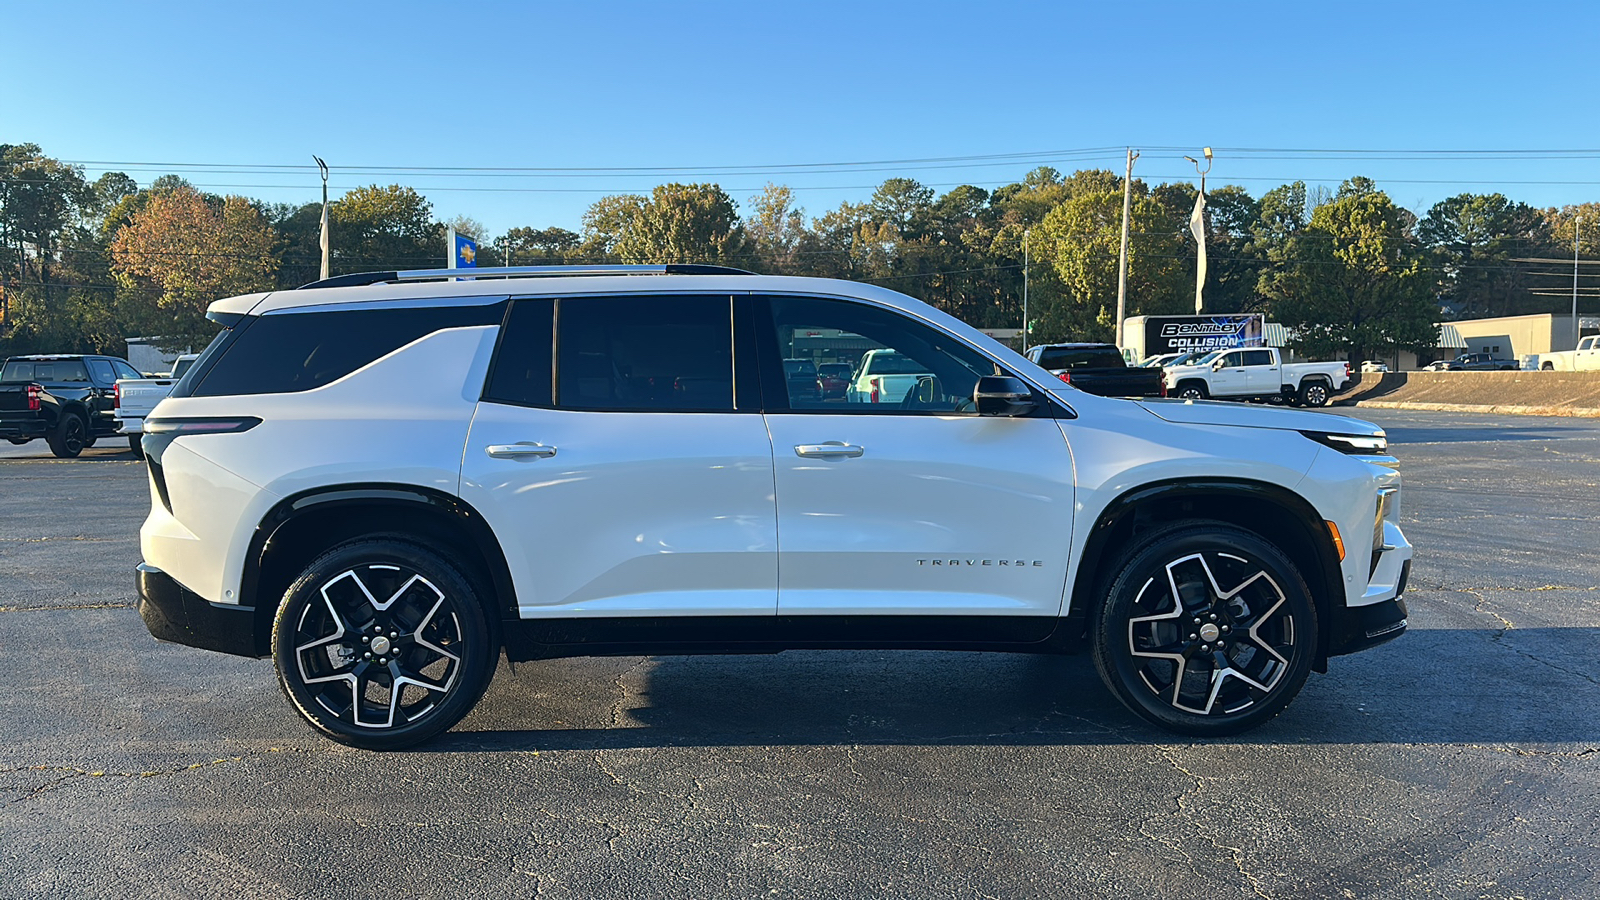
[[67, 400]]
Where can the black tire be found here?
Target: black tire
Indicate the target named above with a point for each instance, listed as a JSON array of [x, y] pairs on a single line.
[[1548, 367], [1257, 651], [134, 444], [1315, 393], [431, 634], [69, 437], [1192, 390]]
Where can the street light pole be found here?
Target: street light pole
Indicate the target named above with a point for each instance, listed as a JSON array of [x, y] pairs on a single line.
[[1197, 224], [1577, 221], [1024, 290], [1122, 254], [323, 168]]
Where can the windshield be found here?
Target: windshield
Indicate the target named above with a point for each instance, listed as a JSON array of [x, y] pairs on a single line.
[[1208, 358]]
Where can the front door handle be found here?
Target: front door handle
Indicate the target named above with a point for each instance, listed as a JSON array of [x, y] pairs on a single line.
[[829, 448], [520, 450]]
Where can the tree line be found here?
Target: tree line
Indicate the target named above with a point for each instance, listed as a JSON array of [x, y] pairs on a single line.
[[84, 264]]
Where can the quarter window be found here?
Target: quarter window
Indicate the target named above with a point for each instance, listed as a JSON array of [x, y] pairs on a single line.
[[289, 352], [647, 353]]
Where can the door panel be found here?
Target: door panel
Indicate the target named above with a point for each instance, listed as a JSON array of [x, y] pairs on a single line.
[[957, 515], [634, 513]]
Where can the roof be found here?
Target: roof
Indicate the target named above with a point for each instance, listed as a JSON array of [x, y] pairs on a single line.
[[1450, 338]]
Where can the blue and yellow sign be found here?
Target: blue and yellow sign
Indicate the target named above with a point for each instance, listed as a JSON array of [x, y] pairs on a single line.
[[466, 251]]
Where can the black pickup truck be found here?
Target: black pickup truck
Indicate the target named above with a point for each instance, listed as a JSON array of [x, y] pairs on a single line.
[[67, 400], [1098, 369]]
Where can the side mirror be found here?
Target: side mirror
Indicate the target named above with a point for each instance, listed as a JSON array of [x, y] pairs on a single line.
[[1002, 395], [1216, 366]]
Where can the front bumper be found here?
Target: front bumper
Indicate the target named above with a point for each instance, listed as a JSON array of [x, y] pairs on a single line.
[[1357, 628], [176, 614]]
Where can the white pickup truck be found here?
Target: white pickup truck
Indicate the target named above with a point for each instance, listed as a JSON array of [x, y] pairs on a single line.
[[1257, 373], [1584, 359], [884, 377], [135, 397]]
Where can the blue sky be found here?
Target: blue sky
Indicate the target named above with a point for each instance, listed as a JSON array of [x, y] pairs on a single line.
[[720, 86]]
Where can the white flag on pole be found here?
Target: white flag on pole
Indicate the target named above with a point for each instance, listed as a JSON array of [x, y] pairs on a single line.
[[323, 242], [1197, 225]]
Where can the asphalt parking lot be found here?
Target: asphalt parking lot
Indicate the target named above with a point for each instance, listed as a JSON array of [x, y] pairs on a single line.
[[1462, 761]]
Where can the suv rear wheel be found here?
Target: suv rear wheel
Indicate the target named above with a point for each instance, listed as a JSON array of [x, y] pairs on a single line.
[[382, 644], [1208, 630]]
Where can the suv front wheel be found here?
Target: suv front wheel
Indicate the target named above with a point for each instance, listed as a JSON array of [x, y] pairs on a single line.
[[1207, 630], [382, 644]]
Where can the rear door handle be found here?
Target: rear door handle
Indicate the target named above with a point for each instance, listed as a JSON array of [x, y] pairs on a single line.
[[520, 450], [829, 448]]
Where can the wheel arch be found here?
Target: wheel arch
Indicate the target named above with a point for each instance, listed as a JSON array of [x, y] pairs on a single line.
[[1274, 513], [304, 525]]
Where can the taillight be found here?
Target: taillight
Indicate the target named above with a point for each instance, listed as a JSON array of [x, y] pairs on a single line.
[[875, 386], [1347, 368], [34, 393], [1065, 376], [116, 396], [1163, 388]]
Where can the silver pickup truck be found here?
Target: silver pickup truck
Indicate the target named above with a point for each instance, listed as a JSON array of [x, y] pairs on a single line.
[[135, 397]]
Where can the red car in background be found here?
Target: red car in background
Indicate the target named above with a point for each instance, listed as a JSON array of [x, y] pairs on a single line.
[[833, 378]]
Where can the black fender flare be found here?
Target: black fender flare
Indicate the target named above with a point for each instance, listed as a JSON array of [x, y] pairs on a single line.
[[446, 508]]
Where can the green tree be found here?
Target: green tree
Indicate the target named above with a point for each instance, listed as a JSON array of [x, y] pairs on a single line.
[[693, 223], [776, 229], [524, 246], [39, 198], [1353, 281], [377, 229], [1476, 240]]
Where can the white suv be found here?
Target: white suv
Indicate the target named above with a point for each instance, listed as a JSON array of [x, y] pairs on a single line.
[[383, 480]]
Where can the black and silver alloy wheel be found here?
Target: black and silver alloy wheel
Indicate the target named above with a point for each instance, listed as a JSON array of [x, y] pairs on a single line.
[[381, 644], [1208, 630], [1192, 392], [1314, 394]]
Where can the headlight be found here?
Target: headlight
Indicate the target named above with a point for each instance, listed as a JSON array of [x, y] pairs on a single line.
[[1355, 444]]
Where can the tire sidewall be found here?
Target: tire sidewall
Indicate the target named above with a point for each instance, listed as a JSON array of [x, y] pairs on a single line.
[[1117, 667], [1308, 398], [480, 641]]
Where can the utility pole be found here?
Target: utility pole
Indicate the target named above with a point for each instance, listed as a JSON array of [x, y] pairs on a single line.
[[323, 168], [1024, 290], [1122, 255], [1577, 221]]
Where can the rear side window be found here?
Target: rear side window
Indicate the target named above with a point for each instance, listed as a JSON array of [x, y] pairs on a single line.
[[522, 372], [1080, 358], [1258, 357], [68, 371], [290, 352], [648, 353]]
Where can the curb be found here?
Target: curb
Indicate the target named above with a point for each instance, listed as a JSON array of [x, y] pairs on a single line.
[[1562, 411]]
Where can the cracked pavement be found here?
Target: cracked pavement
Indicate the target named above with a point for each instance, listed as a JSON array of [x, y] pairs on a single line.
[[1461, 761]]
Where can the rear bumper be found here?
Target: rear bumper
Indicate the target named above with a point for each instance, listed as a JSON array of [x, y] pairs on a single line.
[[176, 614], [23, 428], [130, 426]]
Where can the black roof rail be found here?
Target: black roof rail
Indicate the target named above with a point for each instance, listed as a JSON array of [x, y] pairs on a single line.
[[364, 278]]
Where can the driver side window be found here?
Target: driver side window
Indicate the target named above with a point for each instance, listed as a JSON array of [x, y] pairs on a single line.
[[846, 357]]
